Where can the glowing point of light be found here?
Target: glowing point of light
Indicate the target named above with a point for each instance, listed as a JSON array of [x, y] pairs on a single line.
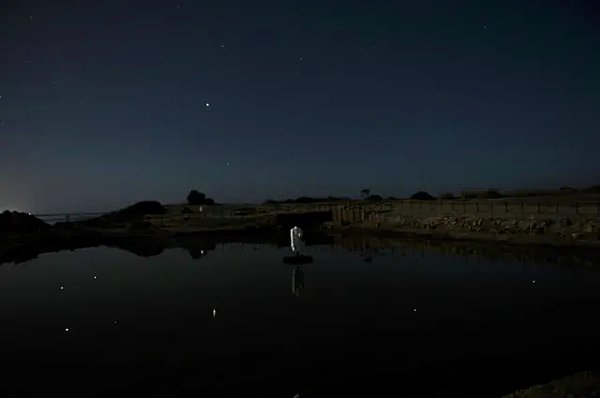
[[66, 329], [62, 288], [214, 312], [201, 251], [533, 281], [414, 310], [207, 104], [95, 277]]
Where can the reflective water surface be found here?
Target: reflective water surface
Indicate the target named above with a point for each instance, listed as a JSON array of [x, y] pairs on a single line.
[[234, 320]]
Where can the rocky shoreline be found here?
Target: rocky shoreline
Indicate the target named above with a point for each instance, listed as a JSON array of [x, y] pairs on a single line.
[[584, 232]]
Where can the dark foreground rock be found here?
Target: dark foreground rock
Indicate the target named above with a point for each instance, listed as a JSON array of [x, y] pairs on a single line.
[[15, 223], [579, 385]]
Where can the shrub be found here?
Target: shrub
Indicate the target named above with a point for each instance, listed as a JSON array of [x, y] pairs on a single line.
[[592, 189], [375, 198], [492, 194], [196, 198], [567, 189], [140, 209], [21, 223], [422, 195]]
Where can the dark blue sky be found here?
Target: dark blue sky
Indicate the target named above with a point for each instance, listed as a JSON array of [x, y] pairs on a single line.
[[104, 103]]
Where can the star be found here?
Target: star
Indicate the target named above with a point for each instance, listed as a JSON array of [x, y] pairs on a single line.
[[228, 163], [214, 313], [414, 310], [62, 288], [26, 61], [207, 104], [301, 58], [95, 277], [31, 17], [54, 83], [66, 329], [222, 45], [484, 27]]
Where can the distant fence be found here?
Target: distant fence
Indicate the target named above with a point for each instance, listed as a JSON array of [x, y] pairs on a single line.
[[64, 217], [497, 208], [354, 211]]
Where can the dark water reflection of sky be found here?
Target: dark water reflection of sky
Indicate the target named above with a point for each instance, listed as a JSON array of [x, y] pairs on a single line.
[[437, 325]]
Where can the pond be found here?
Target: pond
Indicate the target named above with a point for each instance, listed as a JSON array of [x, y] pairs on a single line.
[[236, 321]]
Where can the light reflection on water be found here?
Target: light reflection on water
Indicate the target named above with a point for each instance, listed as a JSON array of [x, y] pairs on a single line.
[[234, 319]]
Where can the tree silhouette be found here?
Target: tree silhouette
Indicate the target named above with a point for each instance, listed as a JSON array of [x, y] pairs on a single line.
[[196, 198], [365, 193]]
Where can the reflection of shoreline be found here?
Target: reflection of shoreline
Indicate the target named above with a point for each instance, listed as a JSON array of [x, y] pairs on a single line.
[[370, 243], [367, 244]]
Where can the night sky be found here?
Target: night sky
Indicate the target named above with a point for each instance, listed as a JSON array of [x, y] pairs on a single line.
[[104, 103]]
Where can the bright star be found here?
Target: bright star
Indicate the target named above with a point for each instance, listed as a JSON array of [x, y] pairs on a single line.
[[207, 104]]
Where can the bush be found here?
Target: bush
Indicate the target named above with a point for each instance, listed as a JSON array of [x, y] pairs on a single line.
[[374, 198], [422, 195], [567, 189], [196, 198], [492, 194], [21, 223], [140, 209], [592, 189]]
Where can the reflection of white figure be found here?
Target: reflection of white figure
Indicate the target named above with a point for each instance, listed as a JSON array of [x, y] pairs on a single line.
[[295, 237], [297, 281]]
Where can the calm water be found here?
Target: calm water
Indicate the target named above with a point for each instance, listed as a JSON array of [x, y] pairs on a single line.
[[239, 322]]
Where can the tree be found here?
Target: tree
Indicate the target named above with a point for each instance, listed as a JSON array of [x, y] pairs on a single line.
[[422, 195], [196, 198], [365, 193]]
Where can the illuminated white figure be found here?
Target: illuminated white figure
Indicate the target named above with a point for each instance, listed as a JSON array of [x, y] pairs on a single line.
[[295, 237]]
